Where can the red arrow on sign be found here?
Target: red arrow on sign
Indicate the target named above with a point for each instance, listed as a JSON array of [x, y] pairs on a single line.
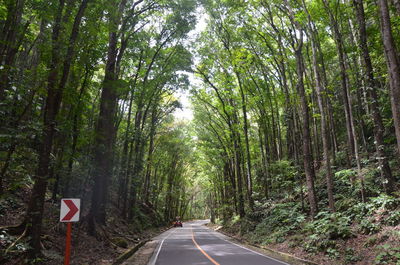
[[72, 210]]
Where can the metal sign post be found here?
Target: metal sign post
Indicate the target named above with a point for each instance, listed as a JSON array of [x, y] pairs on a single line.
[[70, 209]]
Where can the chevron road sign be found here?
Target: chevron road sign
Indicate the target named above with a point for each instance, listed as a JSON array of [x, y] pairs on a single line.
[[70, 210]]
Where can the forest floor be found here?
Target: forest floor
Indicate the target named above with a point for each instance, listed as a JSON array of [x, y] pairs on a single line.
[[112, 240], [358, 250]]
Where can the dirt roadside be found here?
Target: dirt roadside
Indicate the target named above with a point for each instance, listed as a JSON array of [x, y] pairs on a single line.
[[143, 255]]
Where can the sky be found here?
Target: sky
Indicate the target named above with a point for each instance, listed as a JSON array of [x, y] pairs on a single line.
[[186, 112]]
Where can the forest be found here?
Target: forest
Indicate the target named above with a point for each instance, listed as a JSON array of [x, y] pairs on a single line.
[[293, 139]]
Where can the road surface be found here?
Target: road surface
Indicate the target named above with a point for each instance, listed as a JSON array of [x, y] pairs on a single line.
[[195, 244]]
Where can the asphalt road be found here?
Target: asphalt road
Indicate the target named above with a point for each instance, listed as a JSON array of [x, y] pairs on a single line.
[[195, 244]]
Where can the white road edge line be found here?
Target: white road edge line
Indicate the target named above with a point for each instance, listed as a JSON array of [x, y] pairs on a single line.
[[154, 258], [218, 235]]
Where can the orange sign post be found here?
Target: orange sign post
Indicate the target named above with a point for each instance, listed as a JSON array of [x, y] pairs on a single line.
[[69, 213]]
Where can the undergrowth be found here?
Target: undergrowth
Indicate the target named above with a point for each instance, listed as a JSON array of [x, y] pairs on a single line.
[[286, 222]]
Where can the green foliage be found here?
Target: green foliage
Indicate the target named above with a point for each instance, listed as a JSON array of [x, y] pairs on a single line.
[[284, 176], [388, 255], [393, 218], [367, 227], [340, 159], [245, 60], [330, 226], [235, 219], [333, 253], [279, 221], [351, 256], [121, 242], [345, 174], [384, 202]]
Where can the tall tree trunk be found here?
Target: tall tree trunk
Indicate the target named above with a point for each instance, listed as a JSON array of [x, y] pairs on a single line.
[[146, 191], [246, 135], [307, 152], [138, 161], [53, 101], [75, 134], [324, 126], [238, 175], [10, 42], [104, 139], [393, 65], [124, 155], [124, 197], [344, 81], [379, 129], [124, 159]]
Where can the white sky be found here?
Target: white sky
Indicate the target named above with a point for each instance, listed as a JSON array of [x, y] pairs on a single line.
[[186, 112]]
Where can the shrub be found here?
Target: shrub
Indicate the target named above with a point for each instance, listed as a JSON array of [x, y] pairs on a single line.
[[346, 174], [383, 203], [331, 226], [235, 219], [333, 253], [325, 230], [120, 242], [388, 255], [350, 256], [285, 218], [368, 228], [393, 219], [340, 159]]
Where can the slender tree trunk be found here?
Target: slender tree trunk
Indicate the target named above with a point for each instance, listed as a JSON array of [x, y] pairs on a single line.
[[379, 129], [150, 156], [340, 49], [53, 101], [264, 166], [238, 175], [75, 135], [246, 135], [138, 161], [124, 155], [124, 197], [324, 78], [307, 152], [324, 127], [393, 65], [10, 42]]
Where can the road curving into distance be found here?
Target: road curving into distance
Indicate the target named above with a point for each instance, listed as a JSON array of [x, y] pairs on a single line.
[[195, 244]]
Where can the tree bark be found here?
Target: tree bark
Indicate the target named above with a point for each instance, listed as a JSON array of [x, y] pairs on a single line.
[[246, 135], [307, 152], [393, 65], [344, 81], [324, 127], [10, 42], [53, 101], [104, 139], [379, 129]]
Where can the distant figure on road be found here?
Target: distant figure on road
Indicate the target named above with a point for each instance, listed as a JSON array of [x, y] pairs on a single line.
[[177, 222]]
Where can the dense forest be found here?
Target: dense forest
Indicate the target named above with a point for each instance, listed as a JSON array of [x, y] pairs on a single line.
[[294, 142]]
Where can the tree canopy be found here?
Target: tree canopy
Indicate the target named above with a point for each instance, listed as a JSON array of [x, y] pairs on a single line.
[[296, 111]]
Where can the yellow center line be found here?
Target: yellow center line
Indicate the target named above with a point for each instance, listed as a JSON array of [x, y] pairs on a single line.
[[202, 251]]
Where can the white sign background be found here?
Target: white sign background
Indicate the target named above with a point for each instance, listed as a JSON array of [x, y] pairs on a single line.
[[65, 210]]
